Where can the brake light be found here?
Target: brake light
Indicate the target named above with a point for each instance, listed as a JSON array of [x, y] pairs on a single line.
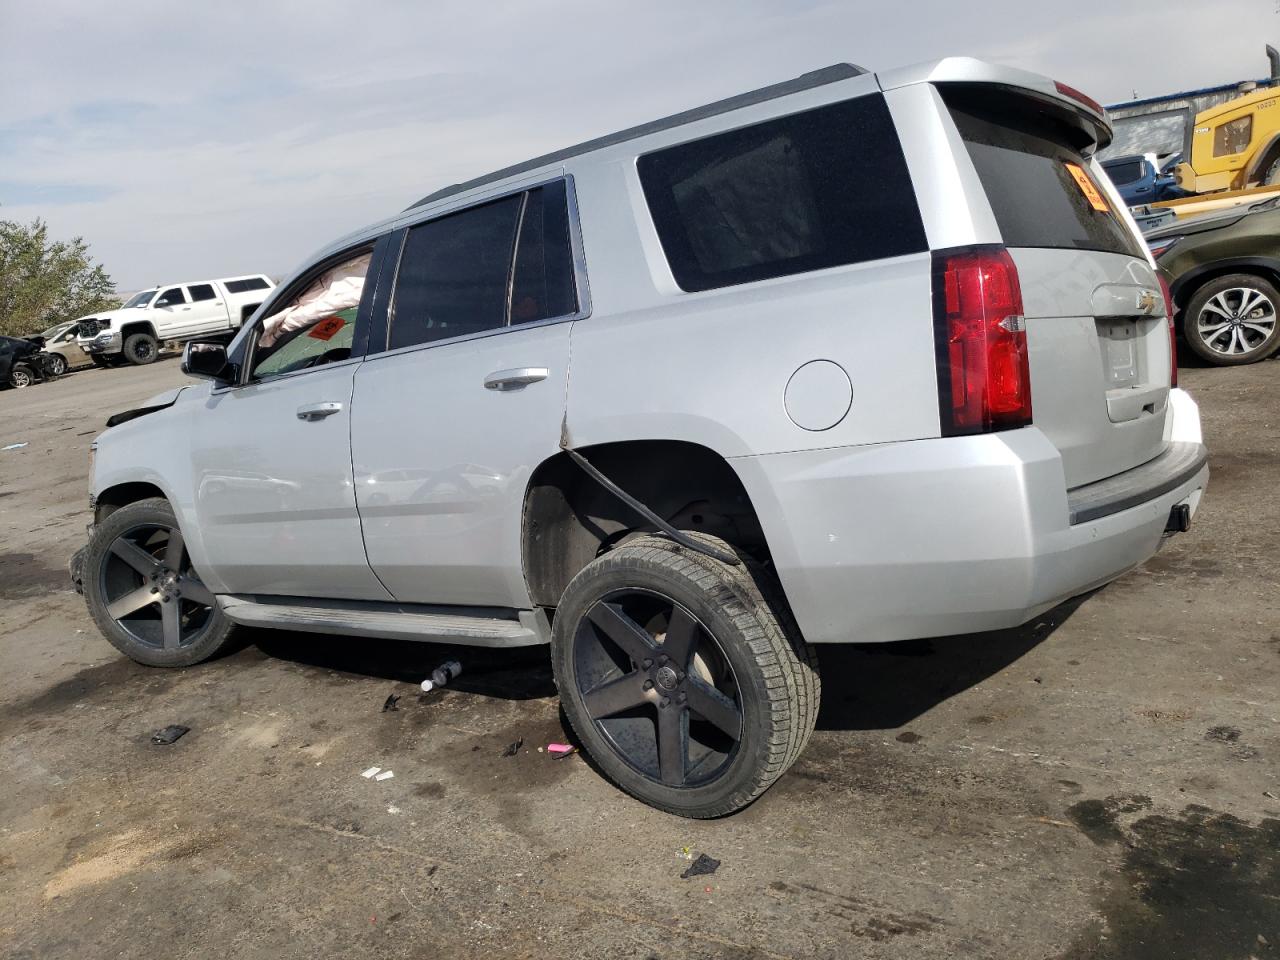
[[1078, 97], [1173, 333], [984, 376]]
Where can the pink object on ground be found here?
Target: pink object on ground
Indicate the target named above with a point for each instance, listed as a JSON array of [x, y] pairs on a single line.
[[559, 748]]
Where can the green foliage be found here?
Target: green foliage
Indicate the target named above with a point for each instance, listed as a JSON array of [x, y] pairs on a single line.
[[43, 281]]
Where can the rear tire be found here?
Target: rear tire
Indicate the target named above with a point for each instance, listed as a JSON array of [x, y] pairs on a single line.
[[737, 696], [1273, 174], [140, 348], [21, 375], [57, 364], [1233, 320], [143, 593]]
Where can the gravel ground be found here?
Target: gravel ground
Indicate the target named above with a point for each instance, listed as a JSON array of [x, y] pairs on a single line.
[[1104, 782]]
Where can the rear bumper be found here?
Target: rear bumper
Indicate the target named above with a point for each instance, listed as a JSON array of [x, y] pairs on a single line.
[[958, 535]]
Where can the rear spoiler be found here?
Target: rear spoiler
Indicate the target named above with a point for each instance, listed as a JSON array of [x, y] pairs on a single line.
[[1076, 107]]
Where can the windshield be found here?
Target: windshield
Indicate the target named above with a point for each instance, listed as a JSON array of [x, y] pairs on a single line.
[[57, 329], [140, 299]]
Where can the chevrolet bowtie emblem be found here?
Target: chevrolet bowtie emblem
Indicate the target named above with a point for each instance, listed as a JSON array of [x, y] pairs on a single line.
[[1146, 301]]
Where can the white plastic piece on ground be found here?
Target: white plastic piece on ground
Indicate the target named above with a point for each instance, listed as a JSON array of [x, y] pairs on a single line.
[[371, 772], [427, 686], [14, 446], [384, 775], [337, 289], [393, 809]]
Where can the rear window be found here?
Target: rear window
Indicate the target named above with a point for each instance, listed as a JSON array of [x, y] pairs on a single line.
[[1022, 156], [1129, 171], [244, 286], [817, 189]]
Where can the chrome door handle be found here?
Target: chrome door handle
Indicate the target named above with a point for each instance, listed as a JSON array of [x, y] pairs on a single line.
[[515, 378], [318, 411]]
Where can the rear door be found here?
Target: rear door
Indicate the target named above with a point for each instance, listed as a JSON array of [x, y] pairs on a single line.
[[467, 398], [1097, 335]]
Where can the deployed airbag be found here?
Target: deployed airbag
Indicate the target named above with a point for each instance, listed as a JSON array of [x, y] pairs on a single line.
[[336, 289]]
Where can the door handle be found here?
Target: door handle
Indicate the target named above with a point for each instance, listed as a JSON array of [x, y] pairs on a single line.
[[515, 378], [318, 411]]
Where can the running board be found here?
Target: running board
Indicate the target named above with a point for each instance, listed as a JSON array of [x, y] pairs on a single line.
[[474, 627]]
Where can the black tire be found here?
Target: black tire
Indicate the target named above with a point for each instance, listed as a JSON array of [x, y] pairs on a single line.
[[744, 653], [152, 607], [21, 375], [140, 348], [1272, 176], [1218, 331], [99, 360], [57, 364]]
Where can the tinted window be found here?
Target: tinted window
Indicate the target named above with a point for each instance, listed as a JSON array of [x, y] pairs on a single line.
[[812, 190], [454, 273], [1024, 160], [244, 286], [170, 297], [542, 282], [201, 291], [1127, 172]]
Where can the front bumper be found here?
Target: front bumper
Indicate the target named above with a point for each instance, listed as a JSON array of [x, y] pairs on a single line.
[[957, 535], [103, 343]]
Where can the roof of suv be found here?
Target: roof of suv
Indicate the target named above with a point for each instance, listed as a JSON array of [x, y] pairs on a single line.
[[806, 81]]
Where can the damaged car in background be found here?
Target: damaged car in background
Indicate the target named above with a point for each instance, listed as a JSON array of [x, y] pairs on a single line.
[[815, 398]]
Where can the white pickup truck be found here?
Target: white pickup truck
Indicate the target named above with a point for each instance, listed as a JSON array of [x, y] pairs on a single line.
[[173, 312]]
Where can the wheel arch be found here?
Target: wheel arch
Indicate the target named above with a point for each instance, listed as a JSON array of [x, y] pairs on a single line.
[[568, 519], [137, 326], [121, 495], [1263, 159], [1186, 285]]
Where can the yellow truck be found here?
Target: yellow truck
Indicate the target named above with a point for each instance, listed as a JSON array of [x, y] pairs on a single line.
[[1235, 145]]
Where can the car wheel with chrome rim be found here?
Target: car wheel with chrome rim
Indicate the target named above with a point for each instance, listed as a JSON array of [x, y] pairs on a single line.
[[1233, 320]]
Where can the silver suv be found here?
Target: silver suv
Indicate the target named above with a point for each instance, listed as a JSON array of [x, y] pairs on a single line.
[[856, 357]]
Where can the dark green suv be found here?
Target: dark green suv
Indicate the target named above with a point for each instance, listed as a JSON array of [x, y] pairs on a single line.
[[1223, 270]]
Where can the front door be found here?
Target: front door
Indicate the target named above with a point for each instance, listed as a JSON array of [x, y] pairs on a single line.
[[450, 421], [275, 500], [208, 312]]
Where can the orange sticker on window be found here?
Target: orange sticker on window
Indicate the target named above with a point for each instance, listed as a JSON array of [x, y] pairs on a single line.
[[1091, 192], [327, 329]]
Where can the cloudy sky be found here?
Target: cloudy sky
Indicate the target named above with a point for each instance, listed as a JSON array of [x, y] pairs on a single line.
[[186, 141]]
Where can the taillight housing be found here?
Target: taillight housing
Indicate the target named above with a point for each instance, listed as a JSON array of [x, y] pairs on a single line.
[[984, 375], [1173, 333], [1081, 98]]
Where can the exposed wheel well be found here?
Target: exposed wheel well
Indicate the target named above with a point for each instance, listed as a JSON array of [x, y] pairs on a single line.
[[113, 498], [569, 519], [1261, 167], [1182, 296], [132, 328]]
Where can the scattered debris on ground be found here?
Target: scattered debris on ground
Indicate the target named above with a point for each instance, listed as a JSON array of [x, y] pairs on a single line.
[[563, 749], [14, 446], [442, 675], [390, 703], [704, 866], [170, 734], [513, 748]]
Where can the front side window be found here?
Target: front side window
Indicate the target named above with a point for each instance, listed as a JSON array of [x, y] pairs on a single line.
[[1233, 137], [201, 291], [316, 327], [171, 298], [816, 189]]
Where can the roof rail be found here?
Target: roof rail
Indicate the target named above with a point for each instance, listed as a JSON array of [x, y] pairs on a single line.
[[806, 81]]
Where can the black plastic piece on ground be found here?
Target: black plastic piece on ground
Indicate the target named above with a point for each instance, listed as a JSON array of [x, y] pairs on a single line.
[[678, 536], [169, 734], [390, 703], [702, 867], [513, 748]]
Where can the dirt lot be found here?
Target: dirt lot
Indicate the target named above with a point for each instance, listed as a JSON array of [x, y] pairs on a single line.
[[1102, 783]]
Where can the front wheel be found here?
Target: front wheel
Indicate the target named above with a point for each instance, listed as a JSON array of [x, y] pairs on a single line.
[[1233, 320], [143, 593], [21, 376], [140, 348], [57, 364], [690, 689]]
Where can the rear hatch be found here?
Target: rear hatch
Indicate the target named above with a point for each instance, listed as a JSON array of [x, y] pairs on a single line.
[[1097, 337]]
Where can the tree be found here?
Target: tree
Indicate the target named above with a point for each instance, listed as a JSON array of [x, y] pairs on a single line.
[[43, 281]]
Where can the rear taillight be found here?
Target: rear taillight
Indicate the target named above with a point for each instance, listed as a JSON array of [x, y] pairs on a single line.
[[1081, 98], [1173, 333], [984, 377]]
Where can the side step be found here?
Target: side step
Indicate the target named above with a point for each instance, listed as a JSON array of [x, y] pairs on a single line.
[[475, 627]]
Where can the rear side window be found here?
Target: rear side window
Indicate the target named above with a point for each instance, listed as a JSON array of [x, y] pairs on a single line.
[[542, 283], [812, 190], [1022, 158], [200, 291]]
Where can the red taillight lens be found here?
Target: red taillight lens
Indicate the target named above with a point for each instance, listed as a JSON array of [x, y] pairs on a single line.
[[1173, 333], [984, 377], [1078, 97]]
